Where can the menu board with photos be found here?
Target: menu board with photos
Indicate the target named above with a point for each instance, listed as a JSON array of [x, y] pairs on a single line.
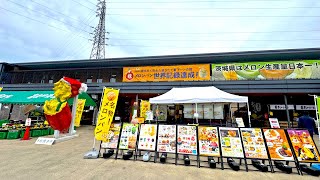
[[113, 136], [230, 142], [128, 137], [208, 141], [187, 140], [303, 145], [167, 138], [278, 145], [253, 143], [147, 137]]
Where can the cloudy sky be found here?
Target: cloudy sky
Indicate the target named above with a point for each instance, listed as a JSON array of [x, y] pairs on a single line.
[[46, 30]]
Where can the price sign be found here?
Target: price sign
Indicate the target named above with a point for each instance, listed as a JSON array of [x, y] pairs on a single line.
[[28, 122]]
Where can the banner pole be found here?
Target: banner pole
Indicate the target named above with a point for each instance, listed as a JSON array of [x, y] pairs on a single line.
[[315, 97]]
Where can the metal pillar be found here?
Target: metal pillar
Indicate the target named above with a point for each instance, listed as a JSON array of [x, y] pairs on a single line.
[[287, 110]]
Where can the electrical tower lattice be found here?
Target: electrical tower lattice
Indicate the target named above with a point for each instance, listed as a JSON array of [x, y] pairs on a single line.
[[98, 48]]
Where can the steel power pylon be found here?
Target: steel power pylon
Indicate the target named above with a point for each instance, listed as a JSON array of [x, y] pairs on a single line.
[[98, 48]]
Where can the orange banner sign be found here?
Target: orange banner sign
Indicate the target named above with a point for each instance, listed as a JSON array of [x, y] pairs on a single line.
[[196, 72]]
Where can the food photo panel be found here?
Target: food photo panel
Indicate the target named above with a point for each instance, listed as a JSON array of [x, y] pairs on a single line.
[[230, 142], [208, 141], [187, 140], [303, 145], [128, 137], [253, 143], [167, 138], [278, 145], [147, 137]]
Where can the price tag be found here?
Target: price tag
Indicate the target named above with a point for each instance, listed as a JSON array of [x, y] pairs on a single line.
[[45, 141]]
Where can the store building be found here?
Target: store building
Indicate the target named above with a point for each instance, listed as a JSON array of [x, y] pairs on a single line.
[[271, 79]]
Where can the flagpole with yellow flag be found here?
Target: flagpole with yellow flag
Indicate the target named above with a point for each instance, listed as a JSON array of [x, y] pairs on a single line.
[[105, 115]]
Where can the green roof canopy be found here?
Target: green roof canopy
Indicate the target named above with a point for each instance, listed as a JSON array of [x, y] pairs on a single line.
[[36, 97]]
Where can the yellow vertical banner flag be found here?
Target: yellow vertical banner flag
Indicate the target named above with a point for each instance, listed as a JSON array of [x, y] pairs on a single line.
[[144, 107], [106, 112], [80, 107]]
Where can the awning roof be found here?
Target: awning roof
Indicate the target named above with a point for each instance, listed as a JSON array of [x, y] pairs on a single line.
[[188, 95], [36, 97]]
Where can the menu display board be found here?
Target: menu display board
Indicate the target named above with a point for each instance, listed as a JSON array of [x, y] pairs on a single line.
[[230, 142], [253, 143], [274, 123], [128, 137], [167, 138], [208, 141], [187, 140], [278, 145], [147, 137], [113, 137], [303, 145]]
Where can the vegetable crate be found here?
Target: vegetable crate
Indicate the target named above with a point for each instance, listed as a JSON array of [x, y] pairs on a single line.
[[13, 134], [36, 133], [3, 135], [45, 132]]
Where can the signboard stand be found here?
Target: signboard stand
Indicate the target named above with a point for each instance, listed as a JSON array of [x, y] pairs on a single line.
[[210, 158], [302, 165], [115, 149], [257, 159], [134, 151], [154, 151], [281, 161], [232, 157], [187, 158], [164, 155]]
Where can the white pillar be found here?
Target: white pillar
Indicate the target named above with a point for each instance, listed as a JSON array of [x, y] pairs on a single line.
[[249, 114], [74, 110]]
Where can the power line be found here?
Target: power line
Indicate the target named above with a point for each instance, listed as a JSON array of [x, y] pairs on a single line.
[[59, 12], [83, 5], [216, 16], [40, 22], [131, 45], [215, 40], [48, 16], [211, 8], [228, 32], [200, 1]]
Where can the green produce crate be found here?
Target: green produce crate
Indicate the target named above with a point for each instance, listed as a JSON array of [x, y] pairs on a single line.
[[3, 121], [45, 132], [13, 134], [36, 133], [51, 131], [22, 133], [3, 135]]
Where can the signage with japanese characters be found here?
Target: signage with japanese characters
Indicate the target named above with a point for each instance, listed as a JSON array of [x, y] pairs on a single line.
[[230, 142], [305, 107], [195, 72], [281, 107], [299, 69], [147, 137], [274, 123], [144, 107], [106, 112], [80, 107]]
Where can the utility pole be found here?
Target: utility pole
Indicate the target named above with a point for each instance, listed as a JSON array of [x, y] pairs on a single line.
[[98, 48]]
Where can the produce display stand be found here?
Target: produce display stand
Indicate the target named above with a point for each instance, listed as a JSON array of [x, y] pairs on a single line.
[[224, 157], [253, 159], [166, 156], [276, 161], [141, 151], [208, 156], [303, 164], [188, 158], [134, 150]]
